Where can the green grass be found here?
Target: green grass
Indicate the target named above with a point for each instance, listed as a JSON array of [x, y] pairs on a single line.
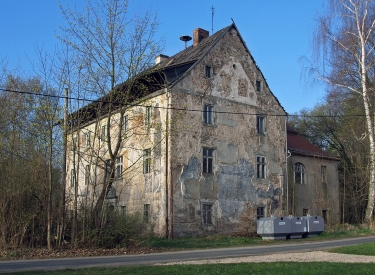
[[244, 268], [360, 249]]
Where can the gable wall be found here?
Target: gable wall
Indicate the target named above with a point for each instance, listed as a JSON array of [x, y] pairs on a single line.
[[233, 137]]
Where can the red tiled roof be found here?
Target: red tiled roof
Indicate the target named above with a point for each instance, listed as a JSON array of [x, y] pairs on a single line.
[[298, 145]]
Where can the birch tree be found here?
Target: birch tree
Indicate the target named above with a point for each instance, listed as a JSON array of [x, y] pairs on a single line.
[[345, 43]]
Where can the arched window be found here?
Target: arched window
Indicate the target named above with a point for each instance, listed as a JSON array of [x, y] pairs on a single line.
[[299, 173]]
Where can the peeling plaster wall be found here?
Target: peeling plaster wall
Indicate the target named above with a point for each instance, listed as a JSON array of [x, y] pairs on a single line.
[[315, 195], [233, 137]]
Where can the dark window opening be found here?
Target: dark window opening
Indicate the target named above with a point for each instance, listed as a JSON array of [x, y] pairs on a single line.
[[208, 114], [207, 213], [208, 160], [261, 167]]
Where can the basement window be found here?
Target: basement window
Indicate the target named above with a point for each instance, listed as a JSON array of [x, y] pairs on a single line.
[[260, 213], [207, 213]]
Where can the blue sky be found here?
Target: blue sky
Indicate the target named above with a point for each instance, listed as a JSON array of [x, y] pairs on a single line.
[[277, 33]]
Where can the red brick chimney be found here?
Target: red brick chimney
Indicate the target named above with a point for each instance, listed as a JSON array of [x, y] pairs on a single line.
[[199, 34]]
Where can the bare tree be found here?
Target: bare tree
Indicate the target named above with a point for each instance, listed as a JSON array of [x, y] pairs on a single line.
[[111, 45], [345, 41]]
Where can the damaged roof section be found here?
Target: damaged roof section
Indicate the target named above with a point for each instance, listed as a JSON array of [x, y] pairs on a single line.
[[297, 145]]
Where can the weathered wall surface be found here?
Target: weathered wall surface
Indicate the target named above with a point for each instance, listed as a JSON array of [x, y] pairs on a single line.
[[315, 195], [133, 189], [233, 137]]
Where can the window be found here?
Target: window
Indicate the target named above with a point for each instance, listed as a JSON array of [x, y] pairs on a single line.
[[146, 161], [107, 169], [305, 212], [123, 210], [119, 167], [87, 174], [325, 216], [260, 213], [148, 115], [102, 132], [72, 178], [207, 213], [208, 156], [146, 212], [88, 138], [258, 86], [208, 114], [260, 124], [208, 71], [261, 167], [124, 127], [323, 170], [299, 173]]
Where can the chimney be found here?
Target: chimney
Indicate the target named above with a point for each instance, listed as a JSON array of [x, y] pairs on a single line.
[[199, 34], [160, 58]]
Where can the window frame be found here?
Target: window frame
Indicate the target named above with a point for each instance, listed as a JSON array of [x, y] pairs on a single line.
[[299, 173], [147, 161], [261, 167], [103, 132], [207, 160], [258, 86], [207, 213], [208, 71], [119, 167], [124, 126], [208, 114], [323, 172], [88, 138], [148, 114], [146, 212], [261, 213], [123, 210], [87, 174], [261, 124], [73, 178]]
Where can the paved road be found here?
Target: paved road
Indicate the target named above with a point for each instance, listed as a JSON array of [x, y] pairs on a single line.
[[149, 259]]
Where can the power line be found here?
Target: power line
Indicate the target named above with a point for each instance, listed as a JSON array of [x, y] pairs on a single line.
[[174, 108]]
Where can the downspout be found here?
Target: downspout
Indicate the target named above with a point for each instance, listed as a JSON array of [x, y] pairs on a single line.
[[168, 185]]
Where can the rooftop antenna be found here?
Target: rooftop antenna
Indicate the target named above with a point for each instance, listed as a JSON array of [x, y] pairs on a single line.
[[213, 10], [185, 38]]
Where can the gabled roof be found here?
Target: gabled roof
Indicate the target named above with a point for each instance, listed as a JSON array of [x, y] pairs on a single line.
[[297, 145]]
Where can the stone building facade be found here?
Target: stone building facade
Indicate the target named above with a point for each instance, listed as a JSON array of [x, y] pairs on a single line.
[[196, 150]]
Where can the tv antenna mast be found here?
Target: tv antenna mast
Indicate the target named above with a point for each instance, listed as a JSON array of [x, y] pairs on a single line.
[[213, 11]]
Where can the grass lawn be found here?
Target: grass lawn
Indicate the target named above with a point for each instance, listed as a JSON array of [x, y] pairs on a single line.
[[360, 249], [243, 268]]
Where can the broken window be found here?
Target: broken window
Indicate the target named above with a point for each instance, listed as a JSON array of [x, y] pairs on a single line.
[[208, 71], [208, 155], [146, 212], [299, 173], [208, 114], [146, 161], [207, 213], [258, 86], [260, 213], [261, 124], [261, 167], [323, 170]]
